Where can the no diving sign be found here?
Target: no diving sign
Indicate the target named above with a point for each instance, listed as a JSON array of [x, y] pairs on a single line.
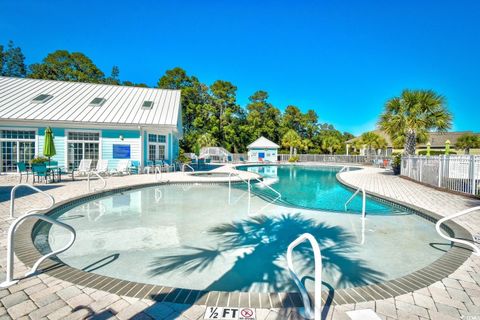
[[229, 313]]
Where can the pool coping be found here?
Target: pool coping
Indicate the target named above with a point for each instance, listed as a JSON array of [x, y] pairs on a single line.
[[439, 269]]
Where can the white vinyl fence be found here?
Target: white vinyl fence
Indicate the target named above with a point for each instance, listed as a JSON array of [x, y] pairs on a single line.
[[456, 173], [323, 158]]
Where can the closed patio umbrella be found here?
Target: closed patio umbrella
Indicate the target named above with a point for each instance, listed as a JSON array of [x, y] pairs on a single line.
[[49, 146]]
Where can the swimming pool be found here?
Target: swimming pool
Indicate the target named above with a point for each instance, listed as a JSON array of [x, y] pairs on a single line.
[[210, 237]]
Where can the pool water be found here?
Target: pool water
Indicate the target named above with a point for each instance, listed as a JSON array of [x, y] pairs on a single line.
[[210, 237]]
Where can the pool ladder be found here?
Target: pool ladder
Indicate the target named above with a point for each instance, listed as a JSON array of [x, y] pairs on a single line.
[[317, 302], [32, 213], [476, 249]]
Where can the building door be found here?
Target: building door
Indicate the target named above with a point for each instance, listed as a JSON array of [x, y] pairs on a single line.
[[16, 146], [82, 145], [157, 147]]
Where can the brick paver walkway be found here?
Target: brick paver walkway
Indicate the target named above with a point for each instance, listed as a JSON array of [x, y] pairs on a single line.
[[45, 297]]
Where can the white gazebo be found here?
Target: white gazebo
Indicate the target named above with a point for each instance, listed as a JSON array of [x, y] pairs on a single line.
[[261, 150]]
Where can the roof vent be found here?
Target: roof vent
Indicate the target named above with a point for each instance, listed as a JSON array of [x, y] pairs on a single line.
[[42, 98], [147, 104], [97, 102]]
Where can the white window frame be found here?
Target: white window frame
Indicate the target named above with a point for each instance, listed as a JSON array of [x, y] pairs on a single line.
[[156, 144], [36, 140], [67, 141]]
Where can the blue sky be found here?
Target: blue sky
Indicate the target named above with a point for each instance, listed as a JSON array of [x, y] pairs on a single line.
[[342, 58]]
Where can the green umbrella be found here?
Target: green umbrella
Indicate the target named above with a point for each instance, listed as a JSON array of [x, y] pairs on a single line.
[[49, 146]]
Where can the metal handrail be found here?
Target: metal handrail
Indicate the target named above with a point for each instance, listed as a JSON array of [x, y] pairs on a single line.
[[10, 246], [187, 165], [230, 187], [100, 177], [159, 171], [343, 169], [476, 249], [364, 200], [13, 195], [317, 305], [266, 185]]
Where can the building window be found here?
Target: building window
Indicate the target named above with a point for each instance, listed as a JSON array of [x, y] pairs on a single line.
[[82, 145], [16, 146], [157, 147]]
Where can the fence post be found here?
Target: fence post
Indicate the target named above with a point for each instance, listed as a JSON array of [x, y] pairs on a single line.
[[472, 177], [440, 171]]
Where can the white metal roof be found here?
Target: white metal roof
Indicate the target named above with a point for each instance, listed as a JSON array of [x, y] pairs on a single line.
[[71, 103], [263, 142]]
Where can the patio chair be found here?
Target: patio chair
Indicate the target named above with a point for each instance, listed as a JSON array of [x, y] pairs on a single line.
[[84, 166], [22, 168], [102, 167], [148, 167], [134, 167], [123, 166], [40, 171]]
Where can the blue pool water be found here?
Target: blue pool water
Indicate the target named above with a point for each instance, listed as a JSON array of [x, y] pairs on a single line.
[[312, 187], [210, 237]]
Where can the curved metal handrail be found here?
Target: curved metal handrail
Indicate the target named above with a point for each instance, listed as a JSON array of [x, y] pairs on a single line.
[[187, 165], [364, 200], [100, 177], [344, 168], [13, 195], [476, 249], [266, 185], [10, 246], [317, 305]]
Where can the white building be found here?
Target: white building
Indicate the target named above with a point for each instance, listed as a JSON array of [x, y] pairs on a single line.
[[262, 150]]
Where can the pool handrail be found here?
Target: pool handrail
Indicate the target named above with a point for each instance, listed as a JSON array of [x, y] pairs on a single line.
[[317, 304], [9, 280], [100, 177], [266, 185], [344, 168], [476, 249], [364, 200], [187, 165], [13, 196]]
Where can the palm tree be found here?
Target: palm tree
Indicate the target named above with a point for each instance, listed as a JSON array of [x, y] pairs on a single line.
[[468, 141], [206, 140], [291, 140], [412, 115], [371, 140], [331, 144]]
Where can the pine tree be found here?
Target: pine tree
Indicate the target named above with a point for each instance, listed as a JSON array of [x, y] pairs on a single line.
[[13, 62]]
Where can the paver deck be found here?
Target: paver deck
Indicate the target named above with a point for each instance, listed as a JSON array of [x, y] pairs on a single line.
[[44, 296]]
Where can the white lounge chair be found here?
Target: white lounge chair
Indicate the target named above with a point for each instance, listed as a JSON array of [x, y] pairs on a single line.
[[84, 166], [123, 166], [102, 167]]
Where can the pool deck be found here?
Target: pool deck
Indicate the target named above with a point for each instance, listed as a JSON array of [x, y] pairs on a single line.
[[44, 296]]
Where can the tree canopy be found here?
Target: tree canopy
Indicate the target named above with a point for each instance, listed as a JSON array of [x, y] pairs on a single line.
[[468, 141], [410, 116], [211, 114]]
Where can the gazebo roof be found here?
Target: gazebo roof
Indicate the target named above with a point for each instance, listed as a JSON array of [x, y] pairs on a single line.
[[264, 143]]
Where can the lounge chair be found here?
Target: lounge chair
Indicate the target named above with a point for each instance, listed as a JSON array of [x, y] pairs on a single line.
[[102, 167], [149, 167], [123, 166], [85, 166], [134, 167]]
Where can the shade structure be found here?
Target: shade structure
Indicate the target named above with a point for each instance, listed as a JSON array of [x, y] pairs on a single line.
[[49, 146]]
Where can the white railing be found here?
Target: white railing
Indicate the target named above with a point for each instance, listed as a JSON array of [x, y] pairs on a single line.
[[344, 168], [187, 165], [104, 183], [317, 304], [158, 173], [460, 173], [265, 185], [327, 158], [364, 200], [13, 196], [10, 246], [476, 249]]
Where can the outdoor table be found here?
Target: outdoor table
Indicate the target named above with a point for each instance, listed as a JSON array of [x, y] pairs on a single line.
[[58, 170]]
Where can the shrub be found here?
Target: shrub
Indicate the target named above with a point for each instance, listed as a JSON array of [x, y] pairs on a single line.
[[38, 160], [434, 152], [294, 159]]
